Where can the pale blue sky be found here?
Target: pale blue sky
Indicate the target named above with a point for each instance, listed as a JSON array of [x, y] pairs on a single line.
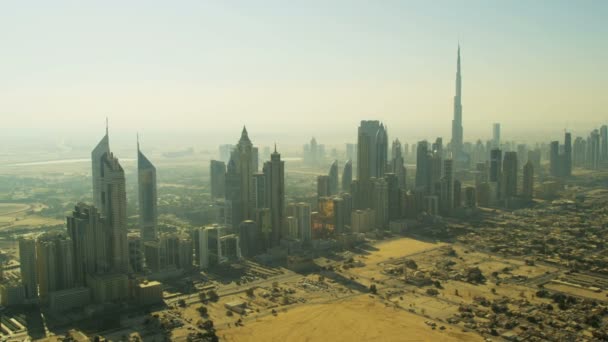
[[208, 67]]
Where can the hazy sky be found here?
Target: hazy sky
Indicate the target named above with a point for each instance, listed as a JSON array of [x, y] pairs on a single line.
[[303, 67]]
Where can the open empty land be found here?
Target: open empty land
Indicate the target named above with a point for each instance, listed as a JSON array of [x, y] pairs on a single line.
[[359, 318]]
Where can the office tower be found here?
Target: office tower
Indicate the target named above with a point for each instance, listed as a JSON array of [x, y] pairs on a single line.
[[136, 253], [457, 130], [447, 187], [291, 222], [372, 149], [55, 264], [274, 171], [398, 164], [561, 161], [322, 186], [255, 163], [303, 215], [333, 178], [422, 167], [457, 194], [381, 152], [185, 252], [567, 162], [380, 202], [339, 215], [470, 200], [102, 148], [351, 151], [435, 172], [528, 186], [554, 159], [363, 220], [431, 205], [509, 172], [209, 246], [579, 149], [496, 135], [114, 209], [229, 248], [347, 176], [226, 152], [495, 165], [148, 207], [90, 238], [347, 200], [243, 154], [217, 172], [266, 152], [233, 193], [604, 143], [394, 196], [248, 238], [593, 150], [259, 190], [264, 221], [27, 261], [534, 157], [314, 153]]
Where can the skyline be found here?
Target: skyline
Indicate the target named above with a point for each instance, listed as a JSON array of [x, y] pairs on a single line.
[[392, 62]]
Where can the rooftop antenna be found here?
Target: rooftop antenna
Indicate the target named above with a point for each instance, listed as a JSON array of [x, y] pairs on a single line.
[[106, 125], [137, 134]]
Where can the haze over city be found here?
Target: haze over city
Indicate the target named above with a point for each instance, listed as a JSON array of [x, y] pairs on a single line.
[[196, 71], [304, 171]]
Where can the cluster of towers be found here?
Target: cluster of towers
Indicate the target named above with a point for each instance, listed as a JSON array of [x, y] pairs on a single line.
[[254, 202], [93, 259]]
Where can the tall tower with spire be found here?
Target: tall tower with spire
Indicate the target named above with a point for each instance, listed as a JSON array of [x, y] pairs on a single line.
[[103, 147], [457, 134], [146, 184], [244, 164], [274, 172]]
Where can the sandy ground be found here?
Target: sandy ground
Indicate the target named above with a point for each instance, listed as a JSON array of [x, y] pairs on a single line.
[[357, 319]]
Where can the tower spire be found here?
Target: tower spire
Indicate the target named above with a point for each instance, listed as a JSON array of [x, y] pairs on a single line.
[[137, 141], [107, 125]]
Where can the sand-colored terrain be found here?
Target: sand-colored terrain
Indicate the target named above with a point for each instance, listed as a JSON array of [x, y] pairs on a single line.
[[356, 319]]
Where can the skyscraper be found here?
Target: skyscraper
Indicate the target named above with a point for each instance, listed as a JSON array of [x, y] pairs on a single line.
[[303, 215], [509, 172], [55, 263], [604, 143], [347, 176], [398, 164], [380, 202], [27, 260], [148, 207], [333, 178], [496, 135], [372, 149], [495, 165], [217, 172], [90, 238], [233, 193], [275, 195], [528, 186], [244, 163], [114, 209], [457, 130], [110, 198], [422, 167], [322, 186], [102, 148], [567, 167], [447, 187]]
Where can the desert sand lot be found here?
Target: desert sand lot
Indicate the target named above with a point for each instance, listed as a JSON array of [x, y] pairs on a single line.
[[356, 319], [12, 208]]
